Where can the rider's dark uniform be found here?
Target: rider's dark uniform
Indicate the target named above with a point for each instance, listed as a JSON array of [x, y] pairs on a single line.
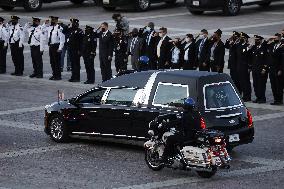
[[185, 125]]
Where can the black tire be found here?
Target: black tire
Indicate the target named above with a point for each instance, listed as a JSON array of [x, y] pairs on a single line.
[[57, 129], [77, 2], [232, 7], [171, 2], [205, 174], [196, 12], [148, 155], [109, 8], [265, 4], [32, 6], [142, 5], [7, 8]]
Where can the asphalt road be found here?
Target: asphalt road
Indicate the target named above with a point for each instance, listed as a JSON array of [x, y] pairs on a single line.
[[29, 159]]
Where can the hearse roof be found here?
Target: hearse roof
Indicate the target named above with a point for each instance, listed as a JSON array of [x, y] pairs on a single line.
[[139, 79]]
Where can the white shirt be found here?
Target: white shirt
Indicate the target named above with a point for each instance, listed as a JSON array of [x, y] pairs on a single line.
[[212, 51], [186, 51], [175, 55], [16, 34], [150, 37], [4, 34], [159, 46], [132, 44], [54, 35], [37, 36]]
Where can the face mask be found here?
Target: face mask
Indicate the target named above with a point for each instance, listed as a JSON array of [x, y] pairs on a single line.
[[103, 29], [135, 34], [187, 40], [148, 29]]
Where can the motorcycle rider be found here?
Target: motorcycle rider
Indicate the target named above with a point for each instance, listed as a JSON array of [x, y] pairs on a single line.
[[185, 126]]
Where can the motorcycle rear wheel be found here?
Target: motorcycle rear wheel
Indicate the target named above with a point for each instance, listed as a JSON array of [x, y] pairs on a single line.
[[152, 162], [205, 174]]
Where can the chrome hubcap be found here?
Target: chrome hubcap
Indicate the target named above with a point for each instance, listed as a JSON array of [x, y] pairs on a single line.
[[56, 128], [233, 5], [144, 4], [34, 3]]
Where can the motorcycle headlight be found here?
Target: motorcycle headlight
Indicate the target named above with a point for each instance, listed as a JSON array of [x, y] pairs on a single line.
[[217, 140], [151, 132]]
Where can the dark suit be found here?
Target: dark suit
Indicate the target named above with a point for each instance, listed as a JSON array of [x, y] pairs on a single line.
[[106, 47], [274, 55], [232, 62], [165, 53], [190, 63], [150, 48], [217, 56], [259, 58], [243, 65], [202, 52]]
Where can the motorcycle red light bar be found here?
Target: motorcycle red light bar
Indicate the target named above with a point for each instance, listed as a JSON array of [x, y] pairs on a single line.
[[202, 123]]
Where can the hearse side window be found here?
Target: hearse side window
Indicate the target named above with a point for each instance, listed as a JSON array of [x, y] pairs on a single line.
[[120, 96], [220, 95], [93, 97], [168, 94]]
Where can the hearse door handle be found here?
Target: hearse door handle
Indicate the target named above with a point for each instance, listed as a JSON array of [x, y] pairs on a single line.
[[125, 113], [93, 111]]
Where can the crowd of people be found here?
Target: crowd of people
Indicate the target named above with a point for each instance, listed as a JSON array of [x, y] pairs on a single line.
[[147, 49]]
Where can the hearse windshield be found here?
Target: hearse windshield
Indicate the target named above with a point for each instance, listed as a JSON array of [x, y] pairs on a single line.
[[220, 95]]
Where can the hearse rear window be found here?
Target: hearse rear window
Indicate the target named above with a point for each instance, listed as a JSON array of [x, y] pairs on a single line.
[[220, 95], [121, 96], [168, 94]]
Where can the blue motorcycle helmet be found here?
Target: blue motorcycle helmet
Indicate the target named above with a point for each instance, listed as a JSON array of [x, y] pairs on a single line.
[[189, 103], [144, 59]]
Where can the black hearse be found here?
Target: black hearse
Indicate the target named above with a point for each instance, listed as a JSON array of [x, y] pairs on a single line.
[[123, 107]]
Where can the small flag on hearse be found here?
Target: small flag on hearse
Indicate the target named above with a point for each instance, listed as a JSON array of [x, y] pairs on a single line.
[[60, 95]]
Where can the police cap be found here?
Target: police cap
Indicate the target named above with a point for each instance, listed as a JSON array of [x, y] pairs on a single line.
[[244, 35], [15, 17], [258, 37], [36, 19], [74, 20], [218, 32]]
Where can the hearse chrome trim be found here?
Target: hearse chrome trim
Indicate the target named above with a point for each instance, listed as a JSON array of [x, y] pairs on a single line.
[[148, 88], [228, 115], [221, 108], [99, 134]]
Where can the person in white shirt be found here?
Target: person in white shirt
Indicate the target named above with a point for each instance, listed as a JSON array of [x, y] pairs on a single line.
[[16, 41], [176, 52], [55, 40], [36, 41], [4, 39]]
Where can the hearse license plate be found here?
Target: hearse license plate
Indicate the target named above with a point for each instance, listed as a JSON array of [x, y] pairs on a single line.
[[234, 138], [195, 3], [105, 1]]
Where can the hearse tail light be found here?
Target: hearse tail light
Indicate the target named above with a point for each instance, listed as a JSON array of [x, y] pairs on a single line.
[[202, 123], [250, 120]]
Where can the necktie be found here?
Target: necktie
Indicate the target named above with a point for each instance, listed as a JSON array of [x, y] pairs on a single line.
[[30, 37], [200, 48], [13, 31], [148, 39], [132, 44], [50, 36]]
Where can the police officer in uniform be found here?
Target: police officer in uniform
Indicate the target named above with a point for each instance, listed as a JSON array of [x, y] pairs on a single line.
[[120, 49], [16, 40], [232, 44], [89, 47], [243, 66], [275, 50], [259, 68], [36, 42], [55, 40], [74, 46], [4, 39]]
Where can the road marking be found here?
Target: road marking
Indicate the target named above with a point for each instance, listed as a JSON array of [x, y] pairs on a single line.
[[21, 110], [191, 180], [268, 116], [40, 150], [275, 13], [21, 125], [264, 106]]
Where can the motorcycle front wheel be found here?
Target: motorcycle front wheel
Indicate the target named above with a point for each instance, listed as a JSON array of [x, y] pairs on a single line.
[[152, 160], [206, 174]]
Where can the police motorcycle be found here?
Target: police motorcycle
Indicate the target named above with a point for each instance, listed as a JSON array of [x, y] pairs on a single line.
[[204, 155]]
